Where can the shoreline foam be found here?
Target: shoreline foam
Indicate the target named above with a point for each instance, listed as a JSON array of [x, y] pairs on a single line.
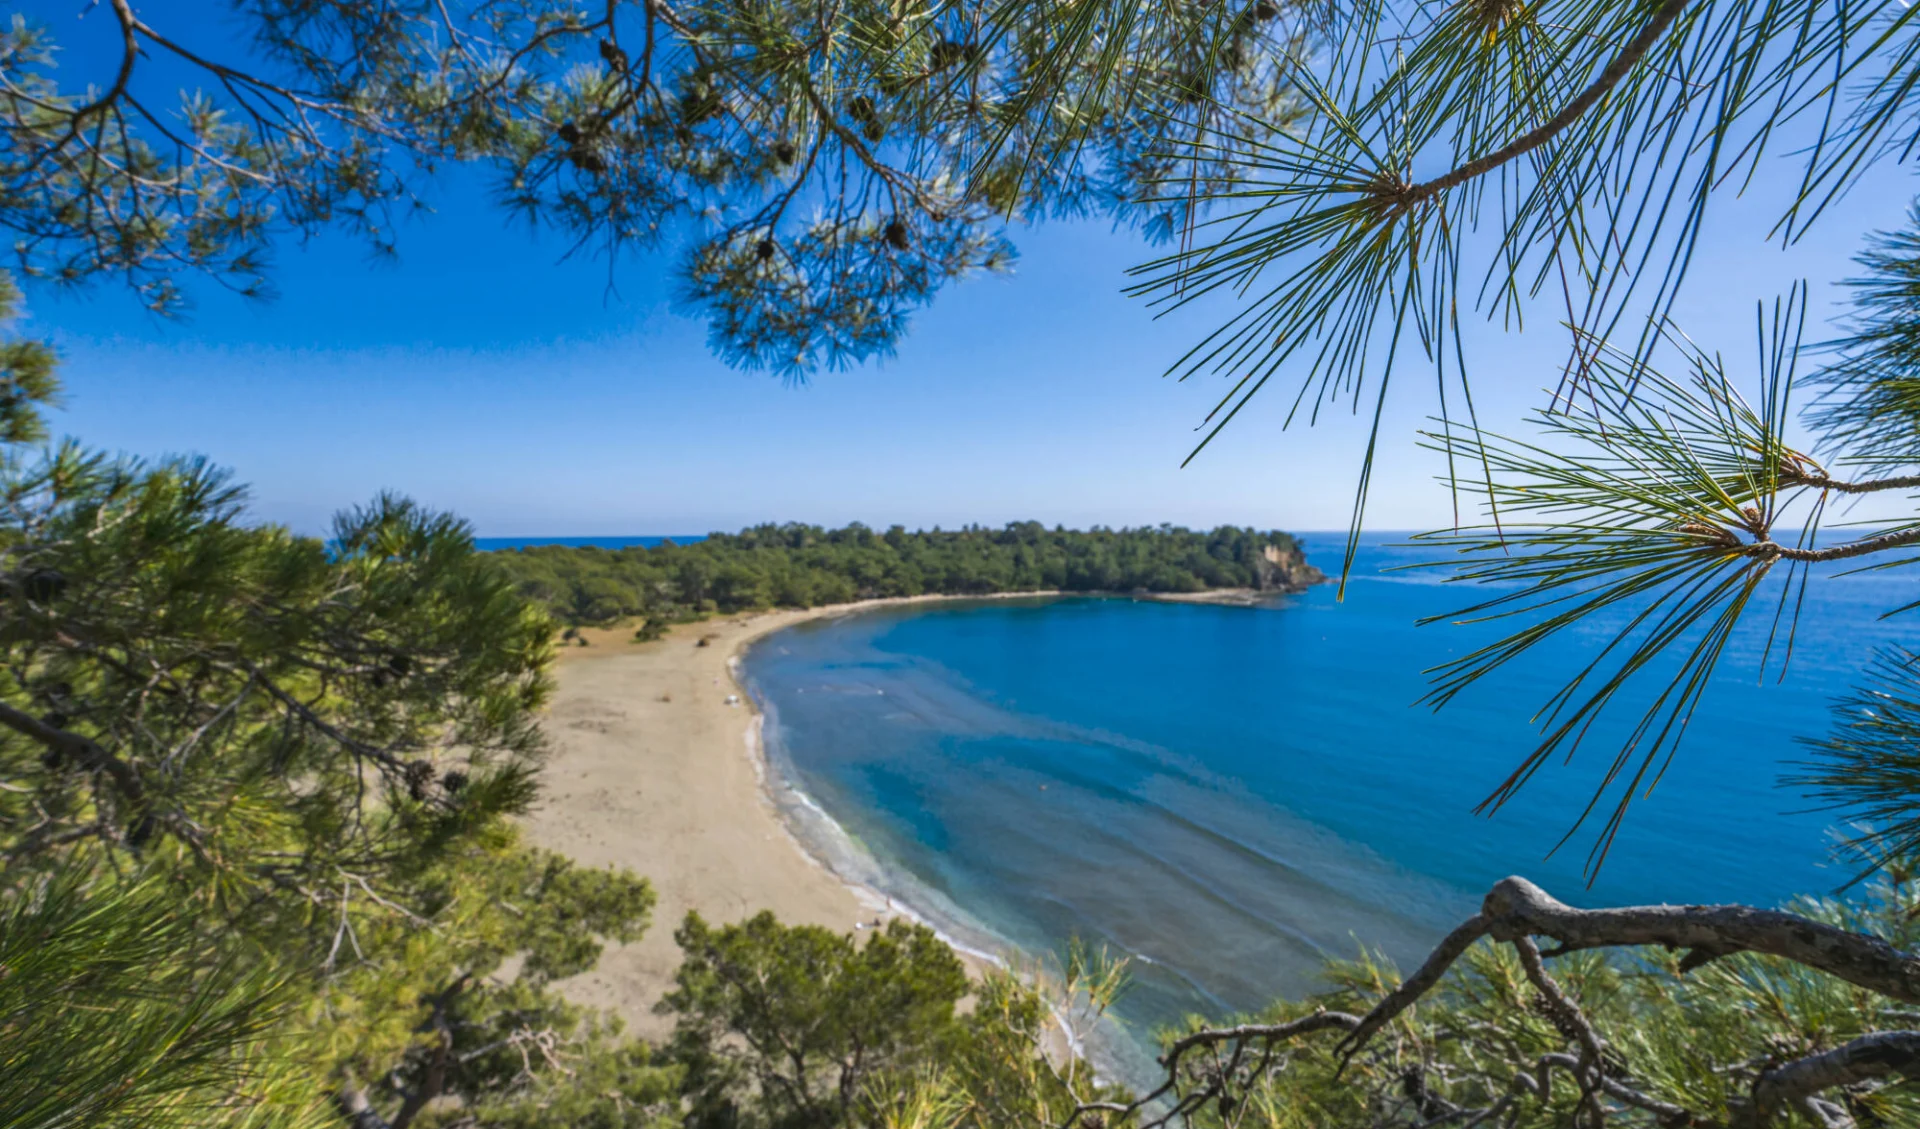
[[650, 769], [1105, 1043], [599, 810]]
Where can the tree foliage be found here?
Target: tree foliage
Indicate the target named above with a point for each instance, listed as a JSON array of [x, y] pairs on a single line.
[[797, 1027], [1510, 159], [256, 862], [806, 1020], [822, 167], [115, 1013], [802, 566]]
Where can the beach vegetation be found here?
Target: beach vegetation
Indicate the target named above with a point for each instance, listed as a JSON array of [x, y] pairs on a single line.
[[799, 1027], [799, 1023]]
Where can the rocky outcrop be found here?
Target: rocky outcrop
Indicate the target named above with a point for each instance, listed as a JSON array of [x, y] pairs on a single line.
[[1284, 568]]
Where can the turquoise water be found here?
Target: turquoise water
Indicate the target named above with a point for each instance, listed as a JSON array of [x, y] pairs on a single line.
[[1228, 795]]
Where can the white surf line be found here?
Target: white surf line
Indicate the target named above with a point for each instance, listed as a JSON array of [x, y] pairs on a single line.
[[879, 900]]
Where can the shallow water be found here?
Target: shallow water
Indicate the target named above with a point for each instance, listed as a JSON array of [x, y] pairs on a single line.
[[1227, 796]]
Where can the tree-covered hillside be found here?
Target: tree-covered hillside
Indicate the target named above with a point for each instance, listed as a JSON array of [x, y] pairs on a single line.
[[260, 866], [805, 566]]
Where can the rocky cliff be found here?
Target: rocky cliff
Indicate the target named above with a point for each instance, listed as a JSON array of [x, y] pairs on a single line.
[[1284, 568]]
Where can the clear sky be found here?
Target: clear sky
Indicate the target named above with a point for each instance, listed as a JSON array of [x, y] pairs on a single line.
[[482, 375]]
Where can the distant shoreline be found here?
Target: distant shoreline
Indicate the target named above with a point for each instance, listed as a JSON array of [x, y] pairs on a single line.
[[621, 634]]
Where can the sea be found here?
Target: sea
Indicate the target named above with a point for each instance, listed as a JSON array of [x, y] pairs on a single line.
[[1227, 797]]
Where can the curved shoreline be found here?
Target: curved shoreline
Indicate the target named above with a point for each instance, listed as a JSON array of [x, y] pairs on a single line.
[[653, 769], [1113, 1051], [827, 843]]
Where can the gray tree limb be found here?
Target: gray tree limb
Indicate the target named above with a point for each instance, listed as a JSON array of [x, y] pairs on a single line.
[[1867, 1058], [1517, 908], [1420, 983], [1516, 911]]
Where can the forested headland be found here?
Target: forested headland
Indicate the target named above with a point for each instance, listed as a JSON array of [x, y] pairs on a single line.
[[804, 566]]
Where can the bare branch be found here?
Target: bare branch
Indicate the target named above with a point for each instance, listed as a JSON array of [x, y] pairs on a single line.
[[1589, 1069], [1769, 549], [1517, 908], [1822, 481], [1420, 983], [1514, 912], [1864, 1059], [1318, 1021]]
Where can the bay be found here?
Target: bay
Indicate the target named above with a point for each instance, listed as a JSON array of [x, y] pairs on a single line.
[[1228, 796]]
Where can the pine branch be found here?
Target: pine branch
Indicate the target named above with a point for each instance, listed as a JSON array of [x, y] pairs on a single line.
[[82, 749], [1629, 57], [1420, 983], [1769, 549], [1871, 486], [1514, 912]]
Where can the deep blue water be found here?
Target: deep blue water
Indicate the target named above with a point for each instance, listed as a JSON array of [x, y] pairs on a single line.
[[489, 544], [1229, 795]]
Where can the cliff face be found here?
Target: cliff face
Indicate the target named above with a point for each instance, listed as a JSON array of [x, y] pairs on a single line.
[[1284, 568]]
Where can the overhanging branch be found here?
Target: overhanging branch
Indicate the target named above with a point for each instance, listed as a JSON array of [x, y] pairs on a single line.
[[1864, 1059], [1515, 912], [1629, 57], [1517, 908]]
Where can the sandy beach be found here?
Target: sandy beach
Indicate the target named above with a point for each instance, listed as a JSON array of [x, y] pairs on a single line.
[[651, 769]]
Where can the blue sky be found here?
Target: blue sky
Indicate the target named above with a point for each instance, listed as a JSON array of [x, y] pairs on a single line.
[[482, 375]]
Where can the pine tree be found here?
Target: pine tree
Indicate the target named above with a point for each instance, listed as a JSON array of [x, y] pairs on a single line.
[[825, 166], [256, 864]]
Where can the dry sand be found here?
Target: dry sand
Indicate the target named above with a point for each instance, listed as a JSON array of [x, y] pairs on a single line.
[[651, 769]]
